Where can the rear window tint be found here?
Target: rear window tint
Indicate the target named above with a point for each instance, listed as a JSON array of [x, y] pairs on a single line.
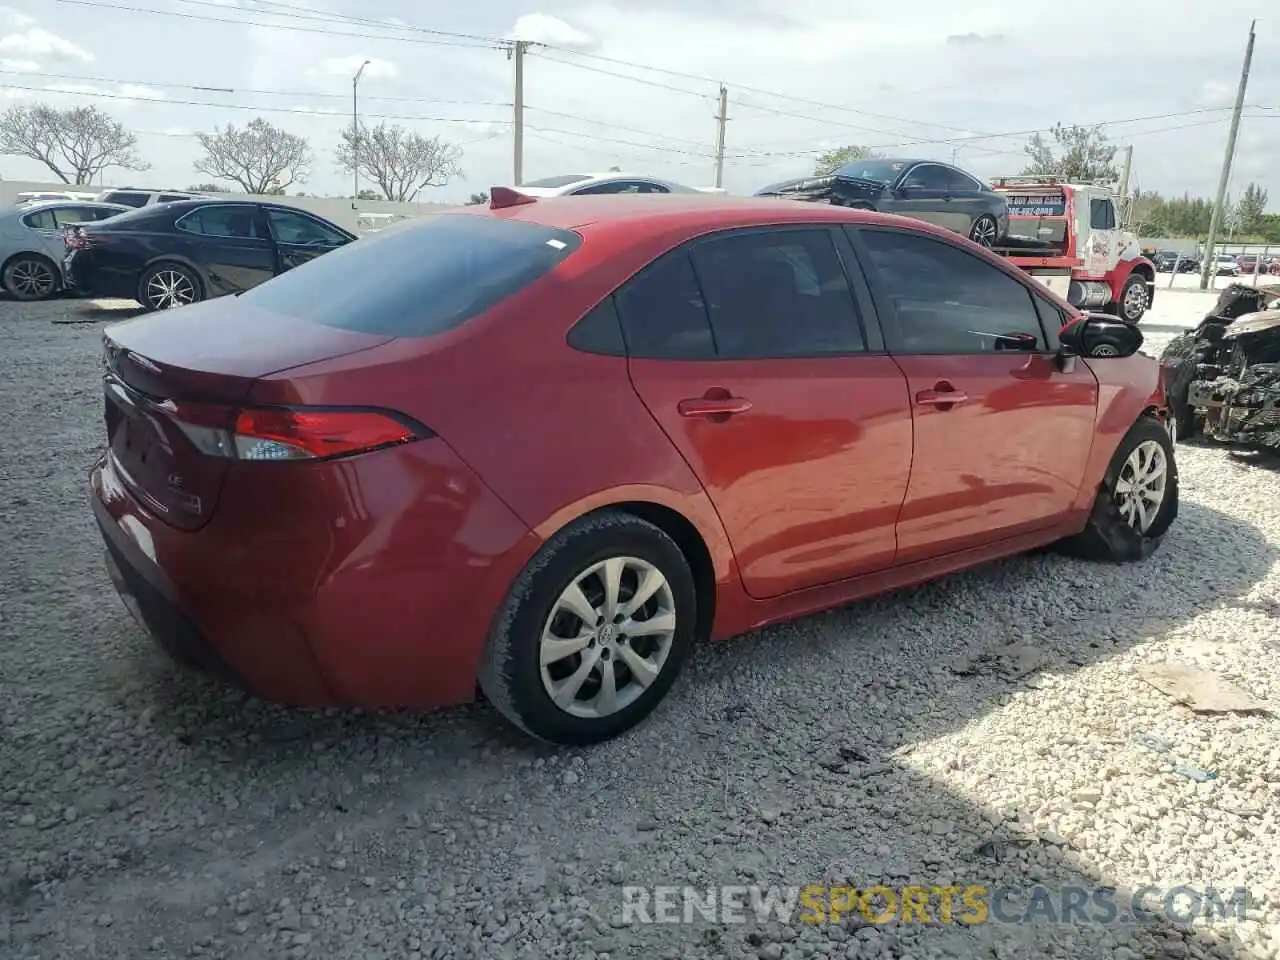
[[420, 280]]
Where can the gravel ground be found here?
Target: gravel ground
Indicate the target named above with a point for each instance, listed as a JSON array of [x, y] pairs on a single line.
[[144, 812]]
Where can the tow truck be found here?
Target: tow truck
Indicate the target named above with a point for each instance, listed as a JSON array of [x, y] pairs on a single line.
[[1068, 237]]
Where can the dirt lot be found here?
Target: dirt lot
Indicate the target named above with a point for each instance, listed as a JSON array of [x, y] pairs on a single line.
[[144, 812]]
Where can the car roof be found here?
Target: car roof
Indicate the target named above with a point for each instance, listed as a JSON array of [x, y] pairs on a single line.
[[695, 211], [64, 202]]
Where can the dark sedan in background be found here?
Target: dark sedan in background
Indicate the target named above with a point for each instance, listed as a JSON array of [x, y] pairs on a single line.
[[169, 254], [937, 193]]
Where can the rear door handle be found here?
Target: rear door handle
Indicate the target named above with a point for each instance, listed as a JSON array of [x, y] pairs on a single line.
[[707, 407], [941, 397]]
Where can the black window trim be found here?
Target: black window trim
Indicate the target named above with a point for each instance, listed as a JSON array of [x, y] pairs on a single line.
[[267, 208], [886, 311], [253, 208], [863, 304]]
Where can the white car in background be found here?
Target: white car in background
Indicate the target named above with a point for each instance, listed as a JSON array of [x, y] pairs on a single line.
[[579, 184]]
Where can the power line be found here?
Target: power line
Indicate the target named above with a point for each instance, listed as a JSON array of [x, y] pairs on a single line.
[[323, 16], [282, 26], [243, 106], [612, 126], [622, 76], [1024, 133], [626, 143], [265, 93]]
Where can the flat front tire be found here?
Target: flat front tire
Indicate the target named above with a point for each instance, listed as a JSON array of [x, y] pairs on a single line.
[[1137, 501], [594, 631]]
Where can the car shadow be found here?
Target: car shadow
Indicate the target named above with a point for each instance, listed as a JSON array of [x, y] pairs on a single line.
[[841, 749]]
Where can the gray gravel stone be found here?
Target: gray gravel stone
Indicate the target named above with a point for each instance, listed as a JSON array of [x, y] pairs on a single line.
[[140, 801]]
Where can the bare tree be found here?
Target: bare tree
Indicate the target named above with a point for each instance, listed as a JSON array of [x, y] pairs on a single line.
[[400, 161], [261, 158], [77, 143]]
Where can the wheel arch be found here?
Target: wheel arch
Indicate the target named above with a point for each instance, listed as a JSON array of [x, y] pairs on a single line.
[[690, 520]]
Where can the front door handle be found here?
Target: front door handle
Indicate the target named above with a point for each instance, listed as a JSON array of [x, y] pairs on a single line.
[[719, 407], [943, 396]]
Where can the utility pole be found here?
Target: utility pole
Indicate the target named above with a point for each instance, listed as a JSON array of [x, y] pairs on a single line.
[[1216, 220], [516, 53], [355, 135], [1125, 206], [722, 120]]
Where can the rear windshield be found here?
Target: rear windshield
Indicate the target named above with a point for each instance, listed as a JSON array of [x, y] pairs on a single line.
[[418, 280]]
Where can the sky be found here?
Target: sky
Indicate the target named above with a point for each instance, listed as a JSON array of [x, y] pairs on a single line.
[[635, 85]]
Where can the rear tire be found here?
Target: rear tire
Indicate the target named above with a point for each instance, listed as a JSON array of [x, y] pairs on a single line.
[[984, 231], [1112, 534], [164, 286], [29, 276], [560, 643]]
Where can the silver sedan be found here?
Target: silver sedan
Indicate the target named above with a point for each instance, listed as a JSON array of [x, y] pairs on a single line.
[[31, 244]]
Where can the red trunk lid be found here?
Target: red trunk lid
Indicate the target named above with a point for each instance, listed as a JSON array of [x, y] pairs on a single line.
[[166, 372]]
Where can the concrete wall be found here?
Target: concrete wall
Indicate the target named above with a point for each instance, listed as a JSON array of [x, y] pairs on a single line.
[[1222, 245], [370, 215]]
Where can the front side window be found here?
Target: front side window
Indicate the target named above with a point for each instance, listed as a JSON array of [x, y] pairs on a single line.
[[927, 176], [1102, 214], [236, 223], [946, 300], [292, 227]]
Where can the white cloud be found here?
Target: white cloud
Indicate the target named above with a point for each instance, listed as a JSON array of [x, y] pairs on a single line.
[[377, 69], [19, 66], [1215, 93], [137, 90], [543, 28], [36, 42], [11, 19], [86, 89]]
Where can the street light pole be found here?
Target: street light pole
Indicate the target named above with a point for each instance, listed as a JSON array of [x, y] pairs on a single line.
[[355, 136]]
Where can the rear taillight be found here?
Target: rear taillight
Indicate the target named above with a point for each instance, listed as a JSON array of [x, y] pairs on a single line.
[[291, 433]]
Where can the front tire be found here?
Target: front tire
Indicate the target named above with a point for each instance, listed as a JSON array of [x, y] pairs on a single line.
[[165, 286], [594, 631], [1137, 501], [984, 231], [1133, 300], [30, 277]]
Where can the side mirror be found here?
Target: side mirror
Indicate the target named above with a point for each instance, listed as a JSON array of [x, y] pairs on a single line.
[[1101, 335]]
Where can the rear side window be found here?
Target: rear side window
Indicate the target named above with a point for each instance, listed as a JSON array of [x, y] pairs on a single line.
[[235, 222], [424, 278], [663, 314], [127, 198], [171, 197]]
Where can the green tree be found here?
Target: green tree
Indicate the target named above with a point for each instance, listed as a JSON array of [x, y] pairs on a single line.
[[478, 198], [1250, 208], [1076, 153], [833, 160]]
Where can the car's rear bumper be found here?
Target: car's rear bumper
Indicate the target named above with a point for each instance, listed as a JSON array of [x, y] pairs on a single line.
[[371, 583]]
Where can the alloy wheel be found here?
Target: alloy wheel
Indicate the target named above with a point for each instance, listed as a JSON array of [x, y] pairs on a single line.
[[167, 289], [1140, 488], [983, 232], [32, 279], [607, 637]]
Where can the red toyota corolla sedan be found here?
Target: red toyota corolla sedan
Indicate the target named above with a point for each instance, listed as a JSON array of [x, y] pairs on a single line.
[[541, 447]]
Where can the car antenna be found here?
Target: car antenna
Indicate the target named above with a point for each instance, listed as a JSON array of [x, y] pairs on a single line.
[[502, 197]]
